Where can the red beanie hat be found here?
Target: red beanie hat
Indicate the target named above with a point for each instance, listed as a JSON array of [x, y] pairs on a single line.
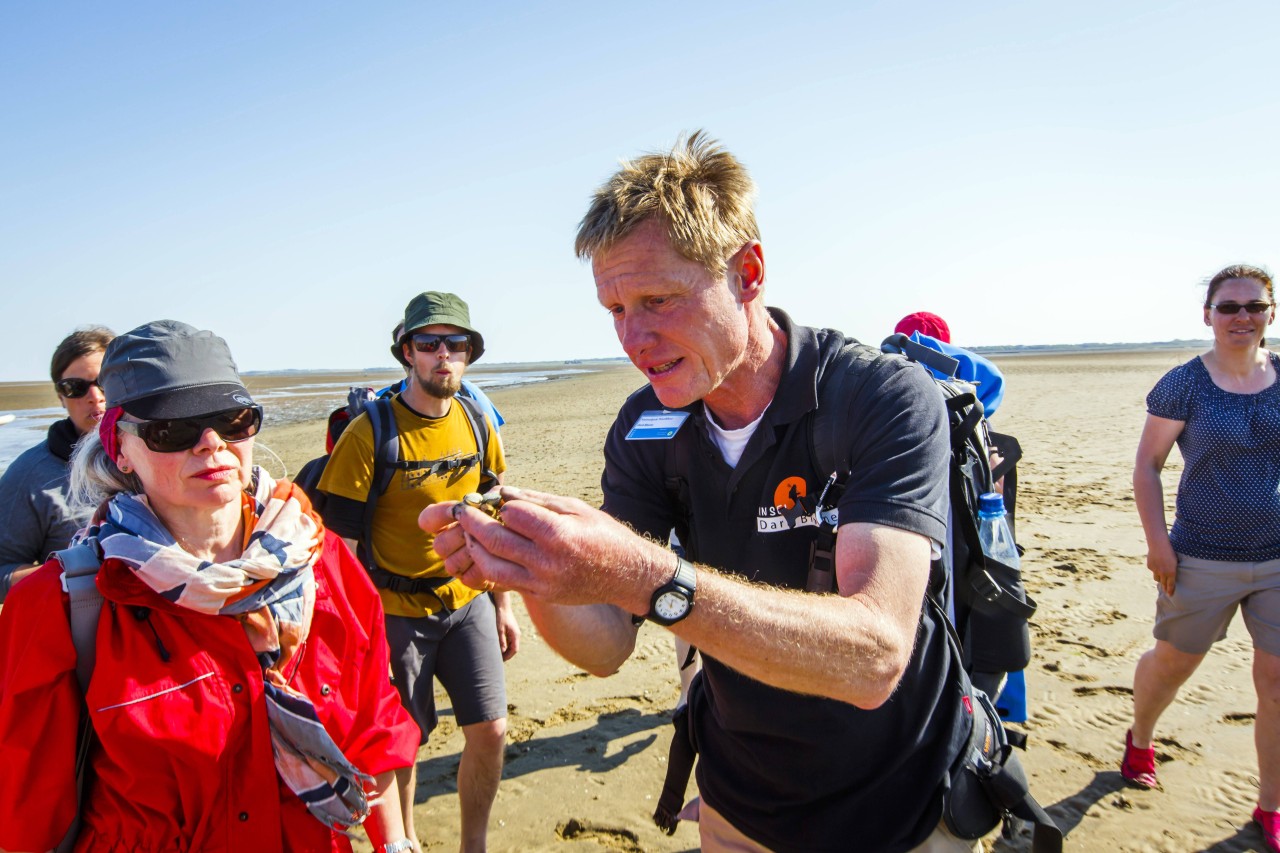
[[926, 323]]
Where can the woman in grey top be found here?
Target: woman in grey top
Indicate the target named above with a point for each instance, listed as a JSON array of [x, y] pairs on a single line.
[[34, 516]]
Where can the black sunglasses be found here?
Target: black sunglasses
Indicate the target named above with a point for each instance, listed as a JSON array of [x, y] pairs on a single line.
[[1234, 307], [73, 388], [431, 343], [174, 434]]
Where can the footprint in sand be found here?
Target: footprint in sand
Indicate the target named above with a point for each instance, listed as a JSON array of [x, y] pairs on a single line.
[[609, 837], [1111, 689]]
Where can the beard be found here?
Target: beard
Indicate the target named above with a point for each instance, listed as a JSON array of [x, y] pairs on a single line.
[[440, 388]]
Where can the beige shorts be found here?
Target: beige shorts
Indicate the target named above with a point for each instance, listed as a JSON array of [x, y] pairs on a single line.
[[1205, 599]]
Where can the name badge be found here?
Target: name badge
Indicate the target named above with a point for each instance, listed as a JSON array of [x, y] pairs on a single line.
[[657, 425]]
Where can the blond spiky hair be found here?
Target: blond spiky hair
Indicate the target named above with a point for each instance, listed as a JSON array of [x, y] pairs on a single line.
[[701, 190]]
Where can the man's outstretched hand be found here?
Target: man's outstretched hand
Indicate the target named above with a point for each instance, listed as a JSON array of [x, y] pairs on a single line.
[[557, 549]]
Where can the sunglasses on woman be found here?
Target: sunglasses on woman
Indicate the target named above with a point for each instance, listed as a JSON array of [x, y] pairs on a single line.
[[171, 435], [431, 343], [1234, 307], [73, 388]]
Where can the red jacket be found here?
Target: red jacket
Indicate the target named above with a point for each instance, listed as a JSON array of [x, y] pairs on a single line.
[[183, 759]]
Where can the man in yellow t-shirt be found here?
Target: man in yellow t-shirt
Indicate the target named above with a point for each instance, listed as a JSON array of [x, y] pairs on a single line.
[[437, 627]]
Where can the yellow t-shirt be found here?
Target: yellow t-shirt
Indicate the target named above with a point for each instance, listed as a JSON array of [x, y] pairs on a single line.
[[399, 545]]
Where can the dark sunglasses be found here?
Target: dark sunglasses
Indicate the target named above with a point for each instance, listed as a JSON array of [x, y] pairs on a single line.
[[431, 343], [1234, 307], [174, 434], [73, 388]]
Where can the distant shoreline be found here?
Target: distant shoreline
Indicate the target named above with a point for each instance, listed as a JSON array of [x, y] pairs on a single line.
[[1085, 349], [288, 397]]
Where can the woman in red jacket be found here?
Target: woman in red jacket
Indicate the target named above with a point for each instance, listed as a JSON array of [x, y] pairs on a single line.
[[239, 697]]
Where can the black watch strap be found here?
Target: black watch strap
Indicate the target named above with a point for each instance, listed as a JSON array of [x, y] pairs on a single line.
[[673, 601]]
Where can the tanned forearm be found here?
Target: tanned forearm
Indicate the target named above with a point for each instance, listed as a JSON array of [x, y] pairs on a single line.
[[852, 647], [596, 637], [1148, 496], [845, 648]]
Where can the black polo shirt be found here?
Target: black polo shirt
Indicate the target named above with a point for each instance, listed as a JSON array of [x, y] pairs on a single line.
[[800, 772]]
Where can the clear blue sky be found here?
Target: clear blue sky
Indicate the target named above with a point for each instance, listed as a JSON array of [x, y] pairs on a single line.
[[290, 174]]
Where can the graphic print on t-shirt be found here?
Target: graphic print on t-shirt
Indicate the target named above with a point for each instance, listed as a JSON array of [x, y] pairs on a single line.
[[792, 507], [453, 466]]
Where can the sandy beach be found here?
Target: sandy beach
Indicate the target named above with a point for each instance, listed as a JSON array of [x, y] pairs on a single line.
[[586, 756]]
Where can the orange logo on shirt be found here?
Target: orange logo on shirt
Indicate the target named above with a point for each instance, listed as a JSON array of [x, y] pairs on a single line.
[[789, 492]]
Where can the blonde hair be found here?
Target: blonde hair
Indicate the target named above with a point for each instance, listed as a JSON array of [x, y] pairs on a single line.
[[698, 188], [94, 477]]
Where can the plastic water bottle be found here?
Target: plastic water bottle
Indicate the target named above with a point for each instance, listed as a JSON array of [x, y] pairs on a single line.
[[993, 531], [997, 543]]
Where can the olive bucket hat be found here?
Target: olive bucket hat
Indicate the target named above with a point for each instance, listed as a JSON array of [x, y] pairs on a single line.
[[434, 308]]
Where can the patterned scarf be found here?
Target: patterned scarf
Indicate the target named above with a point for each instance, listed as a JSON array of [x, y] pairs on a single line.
[[271, 590]]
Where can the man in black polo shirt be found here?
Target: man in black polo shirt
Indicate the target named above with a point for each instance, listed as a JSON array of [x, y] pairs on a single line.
[[822, 721]]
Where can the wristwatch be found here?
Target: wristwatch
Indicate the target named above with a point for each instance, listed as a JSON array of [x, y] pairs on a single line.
[[673, 600], [401, 846]]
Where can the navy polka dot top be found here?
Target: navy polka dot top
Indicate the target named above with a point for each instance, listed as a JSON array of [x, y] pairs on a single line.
[[1229, 497]]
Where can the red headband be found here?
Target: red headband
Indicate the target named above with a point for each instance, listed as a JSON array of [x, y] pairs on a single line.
[[107, 432]]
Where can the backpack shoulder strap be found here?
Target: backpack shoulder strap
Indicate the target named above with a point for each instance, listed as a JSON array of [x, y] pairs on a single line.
[[80, 564], [386, 444], [836, 386], [308, 478], [479, 429], [386, 455]]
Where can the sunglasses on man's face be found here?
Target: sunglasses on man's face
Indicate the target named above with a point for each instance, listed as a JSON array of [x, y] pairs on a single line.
[[431, 343], [1234, 307], [174, 434], [73, 388]]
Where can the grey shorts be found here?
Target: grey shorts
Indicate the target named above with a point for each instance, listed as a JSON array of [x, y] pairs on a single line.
[[461, 649], [1205, 599]]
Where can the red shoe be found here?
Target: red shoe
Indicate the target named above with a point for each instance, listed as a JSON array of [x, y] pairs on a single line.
[[1139, 766], [1269, 823]]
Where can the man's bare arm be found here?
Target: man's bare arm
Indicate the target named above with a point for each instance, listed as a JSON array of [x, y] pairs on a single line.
[[557, 551]]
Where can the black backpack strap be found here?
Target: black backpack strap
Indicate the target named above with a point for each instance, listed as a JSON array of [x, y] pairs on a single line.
[[836, 386], [308, 480], [386, 455], [480, 429], [680, 761], [1011, 451], [941, 362], [677, 467], [384, 579]]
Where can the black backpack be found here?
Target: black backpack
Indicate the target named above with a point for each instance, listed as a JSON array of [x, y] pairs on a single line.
[[986, 785]]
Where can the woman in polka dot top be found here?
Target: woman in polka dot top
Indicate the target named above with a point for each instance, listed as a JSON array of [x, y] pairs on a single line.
[[1223, 552]]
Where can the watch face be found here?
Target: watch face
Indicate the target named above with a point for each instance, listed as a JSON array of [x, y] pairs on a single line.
[[671, 606]]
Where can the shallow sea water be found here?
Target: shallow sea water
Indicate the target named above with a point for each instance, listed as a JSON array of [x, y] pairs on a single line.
[[286, 398]]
